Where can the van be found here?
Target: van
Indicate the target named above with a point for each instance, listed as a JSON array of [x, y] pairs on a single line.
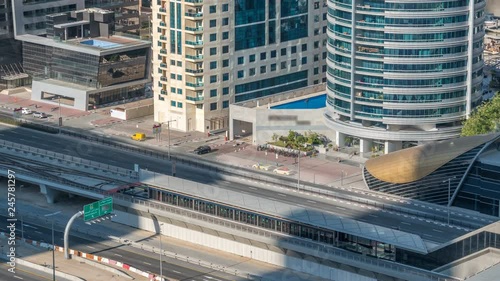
[[139, 136]]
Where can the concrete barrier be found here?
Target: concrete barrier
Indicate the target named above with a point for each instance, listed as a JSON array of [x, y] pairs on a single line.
[[102, 266]]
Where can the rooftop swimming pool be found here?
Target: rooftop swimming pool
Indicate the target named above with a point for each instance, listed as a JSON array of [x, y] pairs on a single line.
[[307, 103], [101, 44]]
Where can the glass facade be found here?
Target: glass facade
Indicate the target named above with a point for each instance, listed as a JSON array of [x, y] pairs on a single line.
[[401, 60]]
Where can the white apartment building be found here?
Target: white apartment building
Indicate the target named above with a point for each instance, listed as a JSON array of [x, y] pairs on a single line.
[[208, 54]]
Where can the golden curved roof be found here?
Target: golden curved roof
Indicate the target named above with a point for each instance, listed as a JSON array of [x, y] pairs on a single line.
[[414, 163]]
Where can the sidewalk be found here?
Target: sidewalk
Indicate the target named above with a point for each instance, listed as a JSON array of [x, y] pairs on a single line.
[[72, 267]]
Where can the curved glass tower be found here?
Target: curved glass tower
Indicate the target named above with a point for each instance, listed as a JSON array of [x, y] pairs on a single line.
[[402, 70]]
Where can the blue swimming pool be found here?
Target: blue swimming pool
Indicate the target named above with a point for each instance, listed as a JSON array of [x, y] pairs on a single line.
[[308, 103], [101, 44]]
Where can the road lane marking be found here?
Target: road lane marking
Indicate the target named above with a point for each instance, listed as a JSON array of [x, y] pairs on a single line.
[[280, 194], [253, 188], [15, 276], [118, 255], [437, 230], [312, 202], [407, 223], [27, 225], [341, 208], [146, 263], [91, 247], [178, 272], [39, 232]]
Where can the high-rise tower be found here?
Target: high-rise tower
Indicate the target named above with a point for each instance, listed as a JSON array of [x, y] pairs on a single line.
[[402, 71]]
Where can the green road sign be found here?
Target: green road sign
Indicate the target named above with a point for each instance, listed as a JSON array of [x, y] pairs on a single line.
[[98, 209]]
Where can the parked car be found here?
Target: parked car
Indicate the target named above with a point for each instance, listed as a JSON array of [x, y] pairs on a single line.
[[262, 167], [39, 115], [202, 149], [282, 171], [138, 136], [25, 110]]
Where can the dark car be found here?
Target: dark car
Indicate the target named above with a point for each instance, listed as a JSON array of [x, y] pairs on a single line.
[[203, 149]]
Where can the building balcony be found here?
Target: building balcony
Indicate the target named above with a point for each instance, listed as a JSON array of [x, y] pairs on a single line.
[[194, 15], [163, 38], [162, 10], [163, 79], [196, 44], [163, 24], [194, 2], [194, 58], [163, 92], [163, 65], [194, 29], [194, 71], [195, 100], [163, 51], [194, 85]]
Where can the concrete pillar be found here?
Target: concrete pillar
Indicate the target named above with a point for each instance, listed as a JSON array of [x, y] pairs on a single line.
[[391, 146], [365, 146], [50, 193], [340, 139], [231, 128]]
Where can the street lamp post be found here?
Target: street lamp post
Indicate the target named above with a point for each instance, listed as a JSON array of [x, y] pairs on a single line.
[[161, 253], [53, 254], [298, 176], [449, 195], [60, 119]]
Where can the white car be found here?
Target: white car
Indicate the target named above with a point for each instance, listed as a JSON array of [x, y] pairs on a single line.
[[282, 171], [262, 167], [39, 115], [26, 111]]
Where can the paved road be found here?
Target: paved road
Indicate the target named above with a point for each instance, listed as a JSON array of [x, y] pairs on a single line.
[[431, 231], [23, 273], [135, 257]]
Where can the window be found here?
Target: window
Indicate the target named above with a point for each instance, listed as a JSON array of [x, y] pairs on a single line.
[[293, 49], [213, 106], [213, 93], [263, 69], [179, 104], [213, 9], [273, 54], [213, 79], [159, 43], [316, 18], [172, 62], [241, 60], [213, 51], [179, 77], [179, 91], [225, 35], [324, 16], [316, 70], [316, 82], [263, 55], [173, 90], [323, 68], [179, 63], [283, 65], [323, 55], [172, 103], [225, 63], [316, 5], [252, 71], [225, 104], [225, 49], [213, 65], [241, 74], [213, 37], [283, 52], [225, 77], [172, 76], [304, 47], [213, 23], [294, 63], [225, 21], [316, 31], [304, 60], [251, 58], [273, 67], [316, 57], [225, 7], [316, 44], [324, 29], [225, 91]]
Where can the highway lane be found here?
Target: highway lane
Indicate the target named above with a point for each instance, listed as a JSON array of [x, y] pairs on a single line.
[[127, 159], [135, 257], [23, 273]]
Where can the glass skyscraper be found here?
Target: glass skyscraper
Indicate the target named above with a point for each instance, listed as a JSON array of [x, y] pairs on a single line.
[[402, 71]]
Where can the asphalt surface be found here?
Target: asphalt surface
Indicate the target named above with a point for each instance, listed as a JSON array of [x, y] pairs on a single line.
[[23, 273], [437, 232], [135, 257]]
